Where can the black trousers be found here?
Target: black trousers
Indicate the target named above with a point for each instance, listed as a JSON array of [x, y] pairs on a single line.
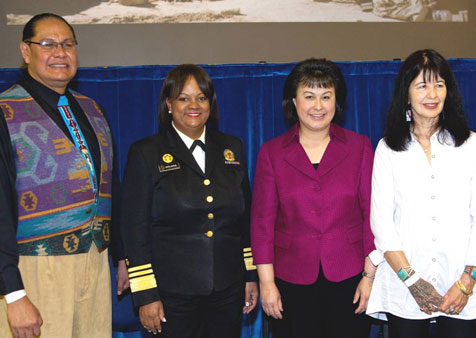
[[446, 327], [217, 315], [322, 309]]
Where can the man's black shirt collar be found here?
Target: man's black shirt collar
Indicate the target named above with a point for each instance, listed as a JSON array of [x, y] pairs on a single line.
[[39, 91]]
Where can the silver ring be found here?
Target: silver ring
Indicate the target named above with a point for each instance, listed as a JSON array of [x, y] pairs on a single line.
[[452, 310]]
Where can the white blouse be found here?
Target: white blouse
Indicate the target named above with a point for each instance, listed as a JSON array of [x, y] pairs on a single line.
[[428, 212], [198, 153]]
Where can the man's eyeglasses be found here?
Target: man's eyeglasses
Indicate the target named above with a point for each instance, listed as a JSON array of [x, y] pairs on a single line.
[[51, 45]]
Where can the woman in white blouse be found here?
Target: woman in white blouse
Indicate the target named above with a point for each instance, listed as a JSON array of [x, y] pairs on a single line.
[[423, 206]]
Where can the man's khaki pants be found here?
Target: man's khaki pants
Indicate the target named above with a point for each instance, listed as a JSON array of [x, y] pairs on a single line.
[[72, 293]]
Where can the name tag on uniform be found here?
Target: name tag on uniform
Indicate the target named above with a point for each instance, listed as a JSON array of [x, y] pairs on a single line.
[[168, 163]]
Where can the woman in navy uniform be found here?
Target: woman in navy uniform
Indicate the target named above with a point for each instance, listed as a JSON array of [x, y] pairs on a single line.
[[186, 208]]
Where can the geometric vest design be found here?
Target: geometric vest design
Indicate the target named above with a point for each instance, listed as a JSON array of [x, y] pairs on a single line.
[[58, 213]]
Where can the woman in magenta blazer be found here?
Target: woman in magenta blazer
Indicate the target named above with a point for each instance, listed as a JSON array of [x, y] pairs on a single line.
[[310, 213]]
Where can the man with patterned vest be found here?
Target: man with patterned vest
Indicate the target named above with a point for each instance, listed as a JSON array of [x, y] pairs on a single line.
[[56, 162]]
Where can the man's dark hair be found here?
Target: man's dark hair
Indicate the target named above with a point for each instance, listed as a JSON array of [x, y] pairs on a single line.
[[29, 29]]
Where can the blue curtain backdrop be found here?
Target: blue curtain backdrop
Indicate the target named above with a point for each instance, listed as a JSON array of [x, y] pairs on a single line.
[[249, 101]]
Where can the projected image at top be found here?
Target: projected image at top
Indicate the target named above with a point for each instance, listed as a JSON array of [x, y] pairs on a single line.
[[18, 12]]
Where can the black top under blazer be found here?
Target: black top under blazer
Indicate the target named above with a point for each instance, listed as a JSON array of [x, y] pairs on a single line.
[[187, 228]]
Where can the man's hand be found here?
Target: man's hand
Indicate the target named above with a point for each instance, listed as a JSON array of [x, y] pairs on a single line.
[[24, 318]]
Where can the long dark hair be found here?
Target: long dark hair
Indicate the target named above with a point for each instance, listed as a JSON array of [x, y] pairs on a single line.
[[452, 119]]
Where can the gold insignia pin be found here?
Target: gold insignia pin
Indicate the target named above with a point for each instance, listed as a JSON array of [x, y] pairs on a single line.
[[228, 154], [167, 158]]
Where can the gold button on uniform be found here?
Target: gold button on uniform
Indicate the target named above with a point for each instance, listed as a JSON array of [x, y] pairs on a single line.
[[211, 216], [209, 199], [209, 233], [206, 182]]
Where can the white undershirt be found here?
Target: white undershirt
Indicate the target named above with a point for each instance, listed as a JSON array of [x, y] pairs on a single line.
[[198, 152]]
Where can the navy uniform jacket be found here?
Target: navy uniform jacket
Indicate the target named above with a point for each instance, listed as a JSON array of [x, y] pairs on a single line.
[[186, 231]]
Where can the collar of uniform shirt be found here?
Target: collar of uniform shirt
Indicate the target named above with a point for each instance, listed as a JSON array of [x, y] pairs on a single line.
[[187, 140]]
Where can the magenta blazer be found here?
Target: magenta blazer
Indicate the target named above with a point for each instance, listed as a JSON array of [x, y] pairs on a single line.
[[302, 217]]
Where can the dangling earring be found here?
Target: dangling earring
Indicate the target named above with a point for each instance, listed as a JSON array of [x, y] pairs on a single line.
[[408, 114], [170, 112]]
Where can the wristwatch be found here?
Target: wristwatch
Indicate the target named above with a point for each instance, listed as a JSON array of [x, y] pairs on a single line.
[[368, 275]]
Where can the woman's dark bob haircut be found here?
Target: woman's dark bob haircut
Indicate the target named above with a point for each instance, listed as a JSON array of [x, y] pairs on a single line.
[[320, 73], [452, 119], [173, 86], [29, 29]]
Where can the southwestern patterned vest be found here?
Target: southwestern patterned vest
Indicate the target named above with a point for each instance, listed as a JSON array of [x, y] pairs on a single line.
[[58, 213]]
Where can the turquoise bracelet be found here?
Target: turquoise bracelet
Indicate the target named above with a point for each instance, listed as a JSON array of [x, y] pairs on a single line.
[[405, 273], [471, 271]]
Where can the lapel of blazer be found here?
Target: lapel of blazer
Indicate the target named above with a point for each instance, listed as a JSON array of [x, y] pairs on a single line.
[[212, 153], [336, 151], [296, 156], [180, 150]]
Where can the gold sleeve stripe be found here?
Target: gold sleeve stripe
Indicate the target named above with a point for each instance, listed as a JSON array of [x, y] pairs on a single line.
[[248, 254], [249, 264], [140, 267], [143, 283], [142, 278], [246, 249], [140, 273]]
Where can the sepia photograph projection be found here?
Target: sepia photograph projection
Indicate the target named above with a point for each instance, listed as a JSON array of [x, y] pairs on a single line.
[[18, 12]]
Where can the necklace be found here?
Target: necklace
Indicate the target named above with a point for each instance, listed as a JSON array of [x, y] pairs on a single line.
[[425, 148]]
